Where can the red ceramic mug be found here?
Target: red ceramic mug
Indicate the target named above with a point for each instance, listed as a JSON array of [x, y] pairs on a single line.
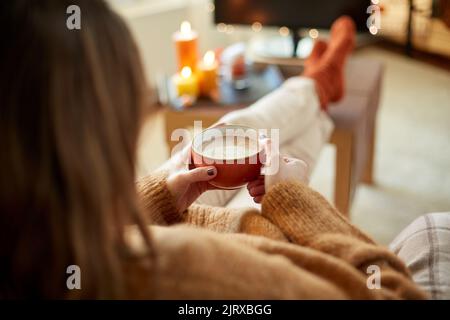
[[234, 150]]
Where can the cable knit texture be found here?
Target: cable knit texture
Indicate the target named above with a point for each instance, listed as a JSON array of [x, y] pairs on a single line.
[[297, 247]]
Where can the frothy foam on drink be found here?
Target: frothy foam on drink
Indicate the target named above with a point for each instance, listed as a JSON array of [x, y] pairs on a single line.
[[229, 149]]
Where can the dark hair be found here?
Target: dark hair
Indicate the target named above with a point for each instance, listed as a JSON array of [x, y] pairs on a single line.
[[70, 109]]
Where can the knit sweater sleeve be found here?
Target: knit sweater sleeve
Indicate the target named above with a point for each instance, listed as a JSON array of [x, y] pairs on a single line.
[[307, 219], [158, 204], [237, 220], [303, 214], [156, 200]]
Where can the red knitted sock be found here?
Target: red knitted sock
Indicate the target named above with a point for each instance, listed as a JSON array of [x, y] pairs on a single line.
[[328, 70], [317, 51]]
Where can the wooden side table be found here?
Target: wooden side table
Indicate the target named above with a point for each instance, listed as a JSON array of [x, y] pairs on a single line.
[[354, 118]]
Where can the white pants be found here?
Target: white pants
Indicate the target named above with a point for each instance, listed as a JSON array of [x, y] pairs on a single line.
[[294, 109]]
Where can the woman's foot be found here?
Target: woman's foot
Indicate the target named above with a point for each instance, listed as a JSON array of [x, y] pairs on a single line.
[[319, 48], [328, 69]]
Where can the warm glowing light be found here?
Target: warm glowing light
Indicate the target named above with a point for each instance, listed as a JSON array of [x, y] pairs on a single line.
[[221, 27], [375, 1], [284, 31], [313, 33], [373, 30], [256, 26], [210, 7], [185, 27], [209, 58], [186, 72], [229, 29]]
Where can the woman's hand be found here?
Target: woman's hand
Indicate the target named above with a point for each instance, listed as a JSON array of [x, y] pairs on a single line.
[[257, 189], [277, 169], [290, 169], [186, 183]]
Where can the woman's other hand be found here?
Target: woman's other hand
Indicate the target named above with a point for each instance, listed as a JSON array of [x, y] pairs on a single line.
[[277, 169], [186, 183], [256, 189]]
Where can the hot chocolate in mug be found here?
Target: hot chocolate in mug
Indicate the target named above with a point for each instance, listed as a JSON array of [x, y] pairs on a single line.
[[234, 150]]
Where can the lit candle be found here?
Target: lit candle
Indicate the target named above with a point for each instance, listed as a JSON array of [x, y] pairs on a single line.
[[186, 83], [186, 46], [207, 72]]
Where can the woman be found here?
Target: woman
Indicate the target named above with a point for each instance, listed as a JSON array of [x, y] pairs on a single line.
[[70, 108]]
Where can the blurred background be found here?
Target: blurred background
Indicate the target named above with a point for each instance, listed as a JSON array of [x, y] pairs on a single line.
[[412, 40]]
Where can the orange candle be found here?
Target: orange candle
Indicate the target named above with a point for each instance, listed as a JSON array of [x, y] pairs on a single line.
[[207, 73], [186, 46]]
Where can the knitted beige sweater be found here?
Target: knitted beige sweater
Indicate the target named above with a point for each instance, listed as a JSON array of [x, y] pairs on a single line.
[[297, 247]]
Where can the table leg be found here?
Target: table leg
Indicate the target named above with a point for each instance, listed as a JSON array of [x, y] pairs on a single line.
[[368, 169], [343, 176]]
